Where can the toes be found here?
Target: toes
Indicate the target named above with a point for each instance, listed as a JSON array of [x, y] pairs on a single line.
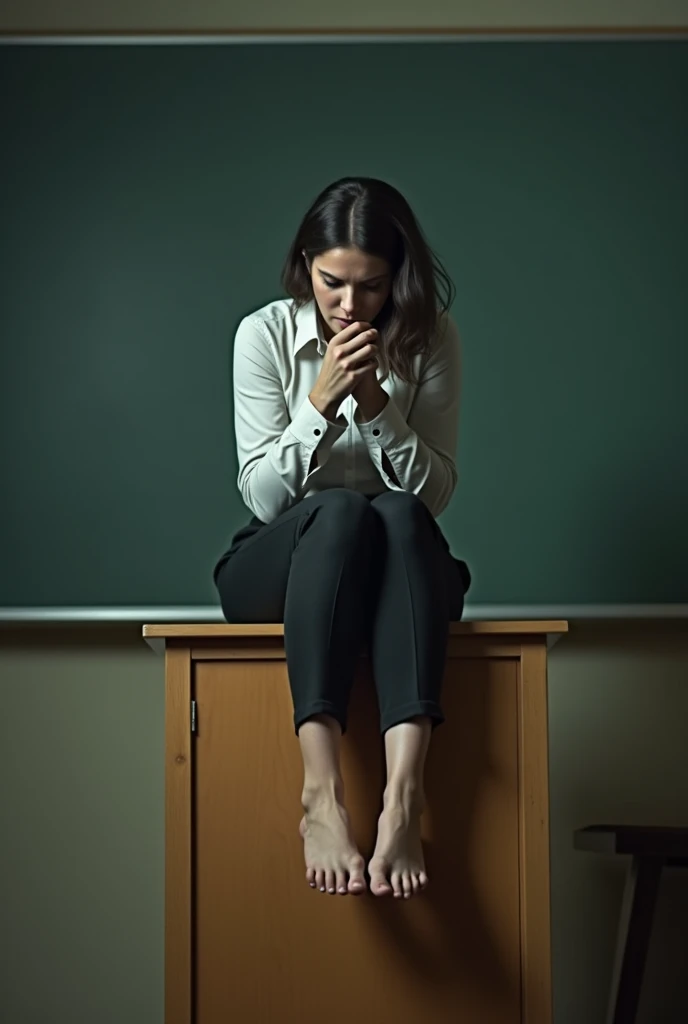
[[406, 884], [423, 879], [379, 886], [341, 882], [330, 881], [310, 877], [320, 879], [357, 882], [415, 884], [396, 884]]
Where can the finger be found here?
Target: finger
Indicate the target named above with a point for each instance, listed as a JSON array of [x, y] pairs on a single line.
[[353, 343], [353, 329], [361, 365], [369, 351]]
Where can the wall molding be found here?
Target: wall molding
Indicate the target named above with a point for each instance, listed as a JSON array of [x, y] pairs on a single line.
[[324, 35]]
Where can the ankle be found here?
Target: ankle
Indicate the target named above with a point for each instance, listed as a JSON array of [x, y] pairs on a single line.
[[404, 793], [322, 792]]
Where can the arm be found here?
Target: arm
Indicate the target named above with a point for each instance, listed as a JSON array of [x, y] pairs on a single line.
[[422, 450], [275, 455]]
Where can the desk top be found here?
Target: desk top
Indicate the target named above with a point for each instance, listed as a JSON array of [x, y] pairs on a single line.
[[196, 630], [155, 633]]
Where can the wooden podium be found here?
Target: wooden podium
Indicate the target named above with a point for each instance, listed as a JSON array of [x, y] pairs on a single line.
[[249, 942]]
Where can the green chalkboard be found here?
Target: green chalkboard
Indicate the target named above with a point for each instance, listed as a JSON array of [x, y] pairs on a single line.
[[148, 194]]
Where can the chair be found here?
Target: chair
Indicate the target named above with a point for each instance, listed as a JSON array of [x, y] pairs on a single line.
[[651, 849]]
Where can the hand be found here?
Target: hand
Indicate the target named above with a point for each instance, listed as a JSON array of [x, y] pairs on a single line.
[[351, 355], [370, 396], [368, 386]]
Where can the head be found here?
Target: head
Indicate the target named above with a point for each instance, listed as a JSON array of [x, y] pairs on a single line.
[[360, 253]]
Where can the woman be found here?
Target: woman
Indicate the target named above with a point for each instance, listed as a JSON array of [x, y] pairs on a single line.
[[345, 479]]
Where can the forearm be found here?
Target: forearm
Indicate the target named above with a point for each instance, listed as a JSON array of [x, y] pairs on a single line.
[[326, 409], [371, 405]]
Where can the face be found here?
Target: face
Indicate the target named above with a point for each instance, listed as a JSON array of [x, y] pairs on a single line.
[[349, 285]]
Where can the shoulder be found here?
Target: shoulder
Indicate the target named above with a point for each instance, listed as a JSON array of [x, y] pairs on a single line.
[[442, 357], [274, 322], [446, 340]]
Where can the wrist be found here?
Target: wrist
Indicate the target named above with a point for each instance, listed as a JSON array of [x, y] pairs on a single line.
[[371, 405], [324, 407]]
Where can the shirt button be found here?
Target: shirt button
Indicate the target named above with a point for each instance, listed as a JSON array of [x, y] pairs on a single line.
[[376, 432], [317, 431]]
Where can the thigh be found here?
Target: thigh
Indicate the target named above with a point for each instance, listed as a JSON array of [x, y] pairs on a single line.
[[401, 510], [252, 584]]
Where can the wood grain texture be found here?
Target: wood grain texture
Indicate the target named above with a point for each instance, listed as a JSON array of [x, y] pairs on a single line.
[[533, 769], [178, 834]]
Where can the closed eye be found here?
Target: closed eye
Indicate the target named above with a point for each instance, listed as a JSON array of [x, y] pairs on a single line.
[[369, 287]]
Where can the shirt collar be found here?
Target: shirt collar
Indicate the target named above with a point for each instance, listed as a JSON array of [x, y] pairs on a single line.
[[308, 328]]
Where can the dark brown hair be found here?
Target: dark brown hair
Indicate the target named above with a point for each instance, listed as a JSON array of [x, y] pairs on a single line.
[[375, 218]]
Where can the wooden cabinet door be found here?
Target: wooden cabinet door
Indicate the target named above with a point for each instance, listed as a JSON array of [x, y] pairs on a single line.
[[268, 949]]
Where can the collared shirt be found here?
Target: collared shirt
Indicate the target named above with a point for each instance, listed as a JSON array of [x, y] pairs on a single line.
[[278, 353]]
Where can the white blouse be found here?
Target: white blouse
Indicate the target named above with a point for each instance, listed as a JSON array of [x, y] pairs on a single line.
[[278, 354]]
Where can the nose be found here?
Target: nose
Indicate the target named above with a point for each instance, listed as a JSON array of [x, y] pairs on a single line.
[[347, 302]]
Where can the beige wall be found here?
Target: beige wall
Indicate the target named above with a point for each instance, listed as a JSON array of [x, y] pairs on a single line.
[[246, 14], [81, 807]]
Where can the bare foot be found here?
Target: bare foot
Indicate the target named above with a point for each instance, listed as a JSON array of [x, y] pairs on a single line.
[[397, 865], [333, 863]]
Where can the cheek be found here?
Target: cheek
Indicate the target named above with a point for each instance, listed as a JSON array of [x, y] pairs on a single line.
[[321, 294], [376, 302]]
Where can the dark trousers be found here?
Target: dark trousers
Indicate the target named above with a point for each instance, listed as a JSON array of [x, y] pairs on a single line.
[[344, 571]]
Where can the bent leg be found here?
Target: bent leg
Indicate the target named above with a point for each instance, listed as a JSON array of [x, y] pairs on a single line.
[[311, 568], [421, 590]]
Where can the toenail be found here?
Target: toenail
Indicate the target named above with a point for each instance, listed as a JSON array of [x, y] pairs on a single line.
[[343, 889], [330, 890], [322, 888]]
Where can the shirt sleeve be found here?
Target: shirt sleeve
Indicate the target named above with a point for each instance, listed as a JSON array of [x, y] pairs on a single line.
[[421, 450], [274, 453]]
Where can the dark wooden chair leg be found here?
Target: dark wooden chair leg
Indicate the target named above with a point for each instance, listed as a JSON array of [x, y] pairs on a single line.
[[637, 909]]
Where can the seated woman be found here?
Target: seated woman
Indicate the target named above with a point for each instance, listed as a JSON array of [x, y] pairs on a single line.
[[346, 402]]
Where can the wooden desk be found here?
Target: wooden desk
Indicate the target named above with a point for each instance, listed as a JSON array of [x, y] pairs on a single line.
[[248, 941]]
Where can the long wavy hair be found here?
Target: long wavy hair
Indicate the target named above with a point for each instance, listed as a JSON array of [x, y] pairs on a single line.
[[374, 217]]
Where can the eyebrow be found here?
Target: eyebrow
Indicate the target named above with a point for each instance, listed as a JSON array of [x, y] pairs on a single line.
[[370, 280]]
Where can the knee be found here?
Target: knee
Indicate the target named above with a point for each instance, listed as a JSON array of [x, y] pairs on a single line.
[[402, 512], [346, 512]]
